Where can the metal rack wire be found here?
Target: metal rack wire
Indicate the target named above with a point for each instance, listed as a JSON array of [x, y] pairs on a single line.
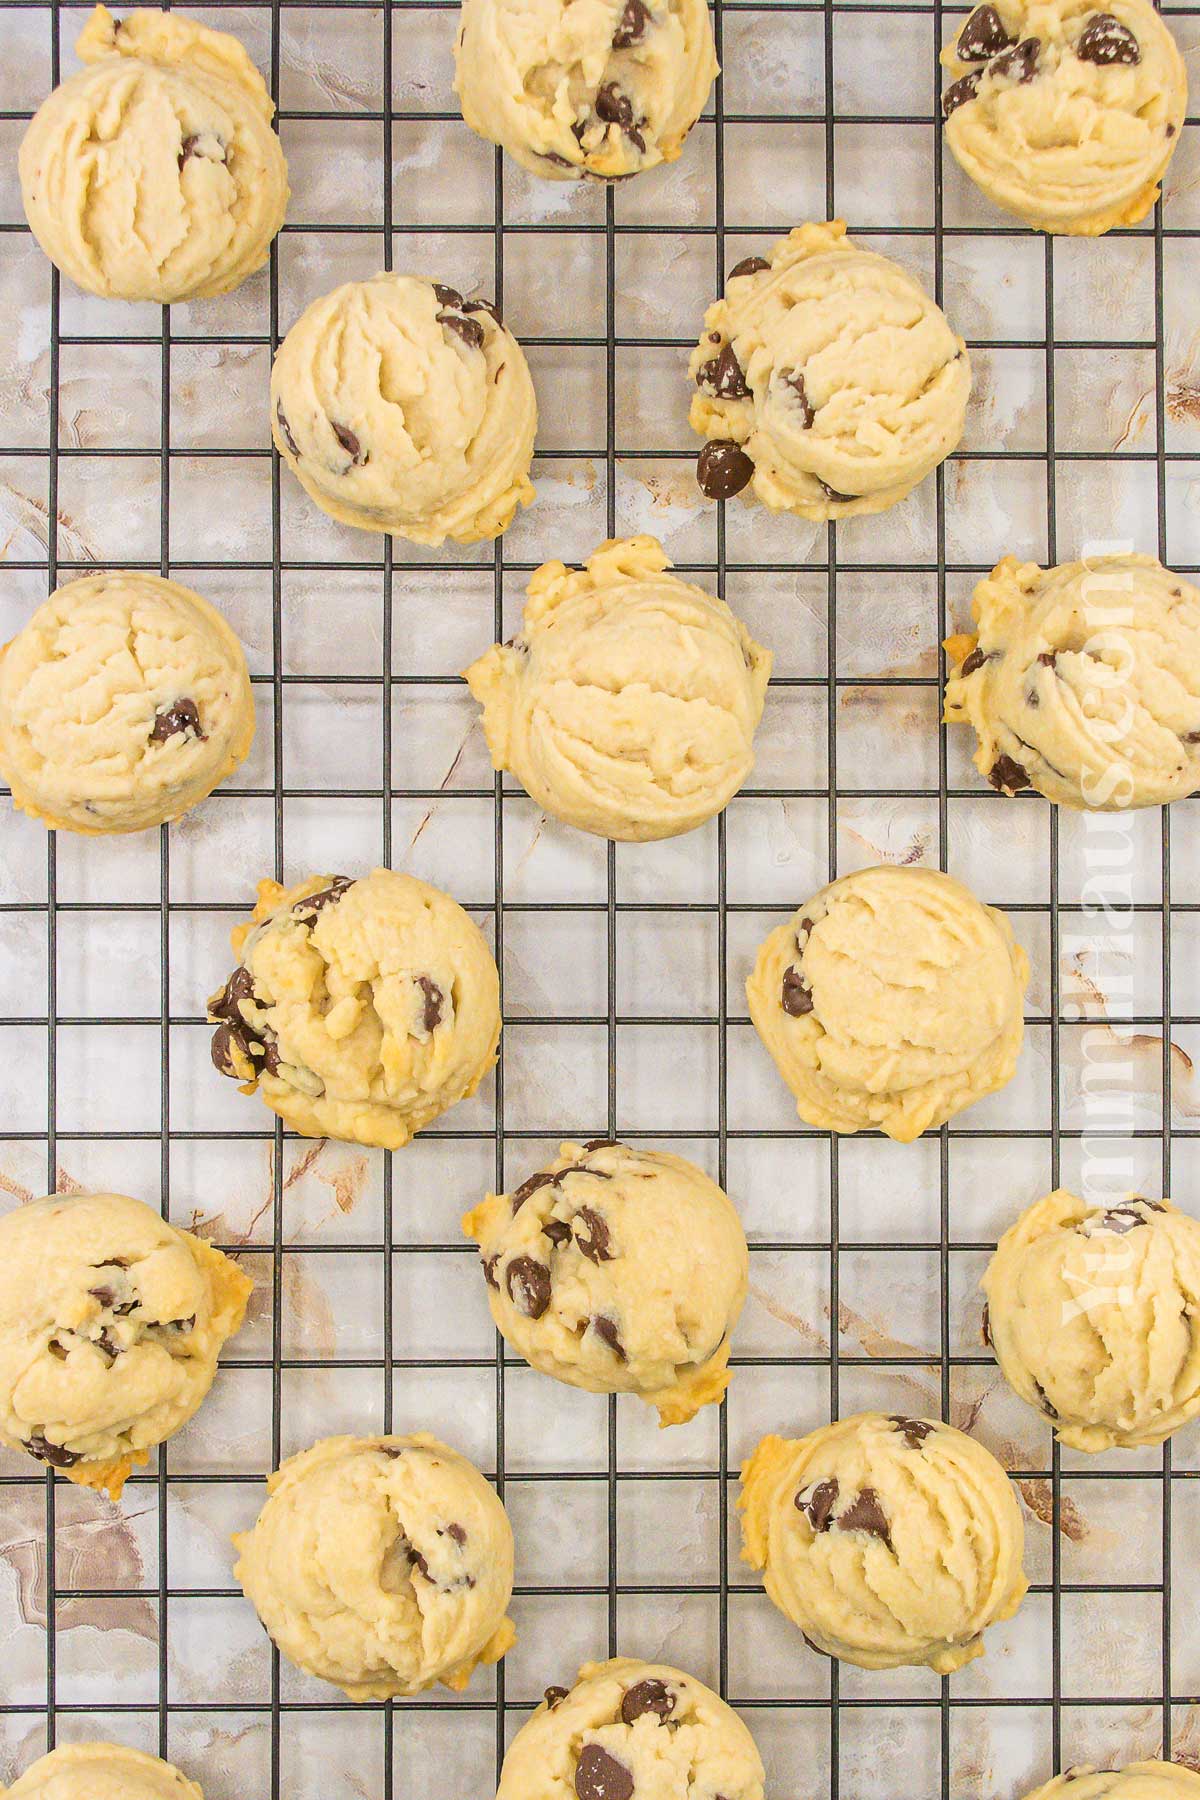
[[396, 1265]]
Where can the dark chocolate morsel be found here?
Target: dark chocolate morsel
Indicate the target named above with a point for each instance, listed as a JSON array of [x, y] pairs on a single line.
[[349, 442], [221, 1050], [469, 330], [985, 1325], [55, 1454], [554, 1695], [833, 494], [959, 92], [191, 146], [1047, 1405], [606, 1330], [489, 1271], [599, 1776], [749, 265], [458, 1534], [983, 36], [1018, 64], [484, 306], [1007, 776], [602, 1144], [1105, 40], [796, 996], [558, 1231], [865, 1513], [974, 661], [239, 987], [817, 1503], [595, 1238], [528, 1286], [649, 1696], [286, 430], [632, 28], [915, 1430], [530, 1185], [312, 904], [794, 379], [722, 376], [447, 296], [431, 1016], [723, 469], [177, 720]]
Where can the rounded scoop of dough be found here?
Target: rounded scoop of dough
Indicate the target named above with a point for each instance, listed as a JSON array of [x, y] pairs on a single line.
[[124, 701], [1083, 681], [401, 407], [1064, 113], [575, 88], [359, 1009], [111, 1323], [631, 1729], [628, 704], [893, 999], [888, 1541], [154, 173], [827, 381], [1090, 1311], [620, 1271], [381, 1564], [1136, 1781], [101, 1772]]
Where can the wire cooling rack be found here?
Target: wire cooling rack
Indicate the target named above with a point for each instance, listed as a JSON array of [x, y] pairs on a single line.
[[138, 437]]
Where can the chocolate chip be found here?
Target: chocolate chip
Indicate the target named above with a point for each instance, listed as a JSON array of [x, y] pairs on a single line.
[[55, 1454], [108, 1344], [483, 306], [417, 1561], [794, 379], [616, 108], [1007, 776], [1105, 40], [469, 330], [599, 1776], [749, 265], [915, 1430], [177, 720], [959, 92], [239, 987], [312, 904], [832, 493], [191, 146], [983, 36], [723, 469], [489, 1271], [985, 1325], [1048, 658], [560, 162], [221, 1049], [528, 1286], [1046, 1405], [457, 1533], [865, 1513], [57, 1350], [530, 1186], [595, 1243], [447, 296], [1018, 64], [632, 28], [1124, 1218], [606, 1330], [650, 1696], [974, 661], [817, 1503], [558, 1231], [1192, 737], [431, 1016], [349, 442], [796, 997], [602, 1144], [105, 1295], [286, 429], [722, 376], [554, 1695]]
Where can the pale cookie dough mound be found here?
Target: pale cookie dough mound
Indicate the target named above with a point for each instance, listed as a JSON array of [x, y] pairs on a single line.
[[887, 1541], [827, 380], [101, 1772], [1064, 114], [359, 1009], [1083, 681], [111, 1323], [1092, 1313], [124, 701], [1136, 1781], [620, 1271], [572, 88], [401, 407], [154, 173], [893, 999], [629, 702], [381, 1564], [632, 1730]]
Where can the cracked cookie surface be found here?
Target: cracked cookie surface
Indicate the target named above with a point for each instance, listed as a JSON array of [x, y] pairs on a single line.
[[359, 1009], [618, 1271], [98, 1771], [123, 701], [887, 1541], [381, 1564], [154, 173], [402, 407], [111, 1324], [827, 383]]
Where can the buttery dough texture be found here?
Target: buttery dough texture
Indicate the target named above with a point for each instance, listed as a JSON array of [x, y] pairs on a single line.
[[1136, 1781], [1083, 681], [629, 702], [359, 1009], [381, 1564], [827, 381], [1092, 1312], [620, 1271], [893, 999], [1064, 114], [101, 1772], [401, 407], [888, 1541], [124, 701], [111, 1323], [154, 173], [572, 88], [632, 1731]]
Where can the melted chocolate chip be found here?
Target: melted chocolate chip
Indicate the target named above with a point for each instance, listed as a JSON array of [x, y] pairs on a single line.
[[959, 92], [528, 1286], [530, 1186], [221, 1049], [191, 147], [558, 1231], [1105, 40], [985, 1325], [794, 379], [983, 36], [489, 1271], [286, 430], [722, 376], [417, 1561], [796, 996], [1007, 776], [1018, 64], [832, 493], [723, 469], [865, 1513], [602, 1144], [606, 1330], [484, 306], [554, 1695], [177, 720], [349, 442], [749, 265], [105, 1295], [108, 1343], [595, 1240], [312, 904], [1046, 1405], [616, 108], [55, 1454], [469, 330], [239, 987], [648, 1696], [431, 1016], [599, 1776], [457, 1533], [974, 661], [632, 28], [1048, 658], [817, 1503], [447, 296], [57, 1350], [1126, 1217], [915, 1430]]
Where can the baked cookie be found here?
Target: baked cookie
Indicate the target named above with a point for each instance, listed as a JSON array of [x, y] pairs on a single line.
[[124, 701], [401, 407], [620, 1271], [111, 1323], [1136, 1781], [154, 173], [572, 88], [888, 1541], [101, 1772], [359, 1009], [629, 702], [1091, 1310], [1083, 681], [1064, 114], [381, 1564], [827, 381], [632, 1731], [892, 999]]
